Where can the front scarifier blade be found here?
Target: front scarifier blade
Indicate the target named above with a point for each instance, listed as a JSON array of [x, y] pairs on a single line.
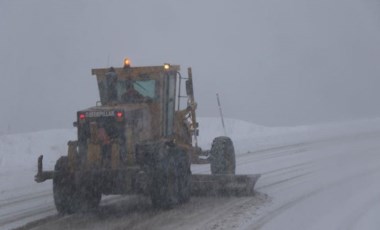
[[223, 185]]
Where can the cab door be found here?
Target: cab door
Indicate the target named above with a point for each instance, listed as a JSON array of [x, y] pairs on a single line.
[[169, 103]]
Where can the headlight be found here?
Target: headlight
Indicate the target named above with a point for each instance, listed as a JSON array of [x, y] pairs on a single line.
[[166, 66]]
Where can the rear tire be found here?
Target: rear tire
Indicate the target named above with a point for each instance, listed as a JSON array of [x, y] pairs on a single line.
[[222, 156], [164, 189], [171, 178], [184, 175], [68, 197], [89, 195]]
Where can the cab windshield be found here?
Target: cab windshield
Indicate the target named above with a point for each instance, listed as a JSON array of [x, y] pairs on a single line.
[[146, 88], [127, 91], [113, 89]]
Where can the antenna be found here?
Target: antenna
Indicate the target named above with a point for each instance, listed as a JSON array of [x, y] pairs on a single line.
[[221, 114]]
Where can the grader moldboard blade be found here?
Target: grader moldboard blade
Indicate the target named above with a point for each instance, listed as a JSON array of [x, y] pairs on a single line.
[[223, 184]]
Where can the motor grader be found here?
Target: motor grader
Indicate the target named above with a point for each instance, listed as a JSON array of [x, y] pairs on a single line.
[[139, 139]]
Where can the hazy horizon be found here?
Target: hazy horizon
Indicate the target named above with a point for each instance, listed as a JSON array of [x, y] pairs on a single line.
[[273, 62]]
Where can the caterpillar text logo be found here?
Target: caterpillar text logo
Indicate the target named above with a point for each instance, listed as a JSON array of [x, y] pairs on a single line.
[[100, 114]]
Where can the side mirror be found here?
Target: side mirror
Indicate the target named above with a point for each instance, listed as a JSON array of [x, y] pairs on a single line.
[[189, 87]]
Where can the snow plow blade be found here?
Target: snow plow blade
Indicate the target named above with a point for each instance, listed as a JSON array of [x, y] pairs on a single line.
[[223, 185]]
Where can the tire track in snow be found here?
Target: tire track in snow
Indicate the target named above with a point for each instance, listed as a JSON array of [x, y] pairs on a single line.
[[25, 214], [284, 180], [285, 169], [23, 208], [23, 198], [276, 152]]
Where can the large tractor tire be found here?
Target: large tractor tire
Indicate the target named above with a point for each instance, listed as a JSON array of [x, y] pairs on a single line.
[[90, 195], [171, 178], [222, 156], [184, 175], [68, 197]]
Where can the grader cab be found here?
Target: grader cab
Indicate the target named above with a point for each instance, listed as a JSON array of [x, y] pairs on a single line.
[[138, 139]]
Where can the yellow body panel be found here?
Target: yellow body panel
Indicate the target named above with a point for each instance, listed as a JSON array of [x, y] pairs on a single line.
[[93, 155], [130, 147], [115, 156], [72, 154]]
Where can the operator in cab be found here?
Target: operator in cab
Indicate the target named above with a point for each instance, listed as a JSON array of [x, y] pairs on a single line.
[[131, 94]]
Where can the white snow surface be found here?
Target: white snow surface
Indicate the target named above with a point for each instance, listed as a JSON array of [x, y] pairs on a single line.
[[314, 177]]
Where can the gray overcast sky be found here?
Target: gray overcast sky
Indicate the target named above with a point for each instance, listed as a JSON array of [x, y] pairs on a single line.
[[273, 62]]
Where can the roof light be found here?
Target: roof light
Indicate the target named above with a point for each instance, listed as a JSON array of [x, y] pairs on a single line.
[[127, 63], [166, 66]]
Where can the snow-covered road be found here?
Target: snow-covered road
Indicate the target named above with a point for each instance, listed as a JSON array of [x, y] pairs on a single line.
[[321, 177], [329, 185]]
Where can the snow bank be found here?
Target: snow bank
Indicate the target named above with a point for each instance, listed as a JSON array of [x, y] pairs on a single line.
[[245, 135], [18, 159], [20, 151], [249, 137]]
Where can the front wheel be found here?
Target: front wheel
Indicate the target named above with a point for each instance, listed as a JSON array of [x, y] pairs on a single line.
[[222, 156]]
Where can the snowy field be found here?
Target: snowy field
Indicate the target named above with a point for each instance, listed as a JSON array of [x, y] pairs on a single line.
[[313, 177]]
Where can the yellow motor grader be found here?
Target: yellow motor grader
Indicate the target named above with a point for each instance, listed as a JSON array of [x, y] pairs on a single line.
[[138, 140]]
